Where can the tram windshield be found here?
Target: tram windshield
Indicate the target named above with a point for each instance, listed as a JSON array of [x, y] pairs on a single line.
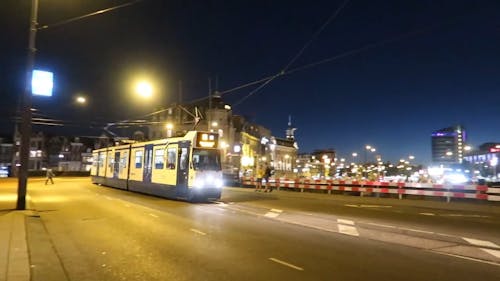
[[206, 159]]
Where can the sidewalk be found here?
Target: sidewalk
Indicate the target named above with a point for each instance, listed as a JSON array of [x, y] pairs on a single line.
[[26, 250], [14, 257]]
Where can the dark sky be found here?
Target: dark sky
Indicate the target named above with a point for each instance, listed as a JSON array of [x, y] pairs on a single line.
[[439, 65]]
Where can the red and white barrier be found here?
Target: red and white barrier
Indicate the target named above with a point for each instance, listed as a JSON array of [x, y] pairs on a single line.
[[471, 191]]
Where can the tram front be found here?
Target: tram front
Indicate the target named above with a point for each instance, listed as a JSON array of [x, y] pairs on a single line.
[[205, 178]]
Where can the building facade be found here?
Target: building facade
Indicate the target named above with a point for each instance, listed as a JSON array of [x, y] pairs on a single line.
[[448, 145], [483, 161], [245, 145]]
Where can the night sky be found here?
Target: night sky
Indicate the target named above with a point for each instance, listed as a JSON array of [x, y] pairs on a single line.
[[410, 67]]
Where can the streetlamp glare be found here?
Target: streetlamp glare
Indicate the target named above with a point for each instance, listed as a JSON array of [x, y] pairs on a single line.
[[81, 100], [144, 89]]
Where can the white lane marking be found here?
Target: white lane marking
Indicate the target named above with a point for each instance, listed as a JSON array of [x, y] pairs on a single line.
[[465, 258], [271, 214], [220, 203], [495, 253], [348, 230], [198, 231], [127, 205], [153, 215], [416, 230], [483, 243], [462, 215], [382, 225], [349, 222], [286, 264], [107, 197], [367, 206], [427, 214]]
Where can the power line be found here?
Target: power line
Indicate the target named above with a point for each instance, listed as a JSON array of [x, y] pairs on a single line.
[[63, 22], [315, 35]]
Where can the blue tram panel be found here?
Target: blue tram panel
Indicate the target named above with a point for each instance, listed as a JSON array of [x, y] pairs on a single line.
[[187, 167]]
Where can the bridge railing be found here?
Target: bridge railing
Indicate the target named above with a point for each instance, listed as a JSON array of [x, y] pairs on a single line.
[[448, 191]]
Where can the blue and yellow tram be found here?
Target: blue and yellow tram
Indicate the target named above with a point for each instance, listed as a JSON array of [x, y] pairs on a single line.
[[185, 167]]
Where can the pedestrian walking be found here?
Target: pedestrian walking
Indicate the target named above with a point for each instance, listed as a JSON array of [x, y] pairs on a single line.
[[49, 175], [267, 175], [260, 176]]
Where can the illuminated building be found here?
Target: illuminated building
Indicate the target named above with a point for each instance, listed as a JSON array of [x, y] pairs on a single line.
[[448, 145], [245, 145], [484, 160]]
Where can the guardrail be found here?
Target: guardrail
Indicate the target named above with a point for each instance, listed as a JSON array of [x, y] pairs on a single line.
[[449, 191]]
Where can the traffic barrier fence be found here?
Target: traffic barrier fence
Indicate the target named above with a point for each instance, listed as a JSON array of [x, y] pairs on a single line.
[[448, 191]]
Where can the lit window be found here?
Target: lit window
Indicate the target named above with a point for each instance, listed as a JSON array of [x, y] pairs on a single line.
[[138, 159], [171, 157], [159, 160]]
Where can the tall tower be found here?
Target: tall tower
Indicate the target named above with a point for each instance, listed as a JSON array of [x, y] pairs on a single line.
[[290, 131], [448, 145]]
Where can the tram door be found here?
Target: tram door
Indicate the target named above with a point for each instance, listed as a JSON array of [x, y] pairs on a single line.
[[183, 167], [116, 168], [148, 163]]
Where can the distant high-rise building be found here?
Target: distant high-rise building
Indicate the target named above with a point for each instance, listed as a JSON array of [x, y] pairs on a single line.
[[448, 145]]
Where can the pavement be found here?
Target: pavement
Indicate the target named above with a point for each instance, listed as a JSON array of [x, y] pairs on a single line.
[[40, 261], [18, 229], [14, 256]]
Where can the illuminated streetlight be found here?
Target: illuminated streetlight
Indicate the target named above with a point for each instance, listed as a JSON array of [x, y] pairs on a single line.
[[144, 89], [169, 127], [81, 100], [368, 148]]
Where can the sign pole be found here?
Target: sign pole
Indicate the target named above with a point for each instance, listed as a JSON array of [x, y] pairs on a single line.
[[24, 152]]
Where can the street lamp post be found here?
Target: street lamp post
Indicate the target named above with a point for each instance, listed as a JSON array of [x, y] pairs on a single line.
[[24, 149]]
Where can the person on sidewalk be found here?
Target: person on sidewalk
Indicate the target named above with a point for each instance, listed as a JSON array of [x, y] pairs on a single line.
[[49, 175], [267, 175], [260, 176]]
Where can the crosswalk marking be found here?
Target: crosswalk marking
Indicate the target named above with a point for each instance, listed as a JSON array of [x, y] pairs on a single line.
[[348, 230], [342, 221], [483, 243]]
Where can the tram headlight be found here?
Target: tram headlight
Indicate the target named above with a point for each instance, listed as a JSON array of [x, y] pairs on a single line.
[[219, 183], [208, 181], [199, 183]]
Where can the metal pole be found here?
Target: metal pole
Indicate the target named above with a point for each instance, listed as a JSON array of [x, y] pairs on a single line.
[[24, 152]]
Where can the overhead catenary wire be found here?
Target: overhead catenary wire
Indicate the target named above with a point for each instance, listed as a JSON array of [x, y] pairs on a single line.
[[334, 15], [66, 21]]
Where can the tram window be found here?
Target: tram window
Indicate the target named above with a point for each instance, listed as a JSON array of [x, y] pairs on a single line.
[[204, 159], [138, 159], [171, 157], [183, 162], [102, 159], [159, 160], [123, 161], [111, 162]]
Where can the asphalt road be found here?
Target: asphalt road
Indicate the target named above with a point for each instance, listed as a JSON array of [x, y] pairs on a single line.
[[82, 231]]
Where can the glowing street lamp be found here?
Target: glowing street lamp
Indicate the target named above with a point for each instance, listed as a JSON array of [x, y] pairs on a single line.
[[169, 127], [81, 100], [144, 89], [369, 148]]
